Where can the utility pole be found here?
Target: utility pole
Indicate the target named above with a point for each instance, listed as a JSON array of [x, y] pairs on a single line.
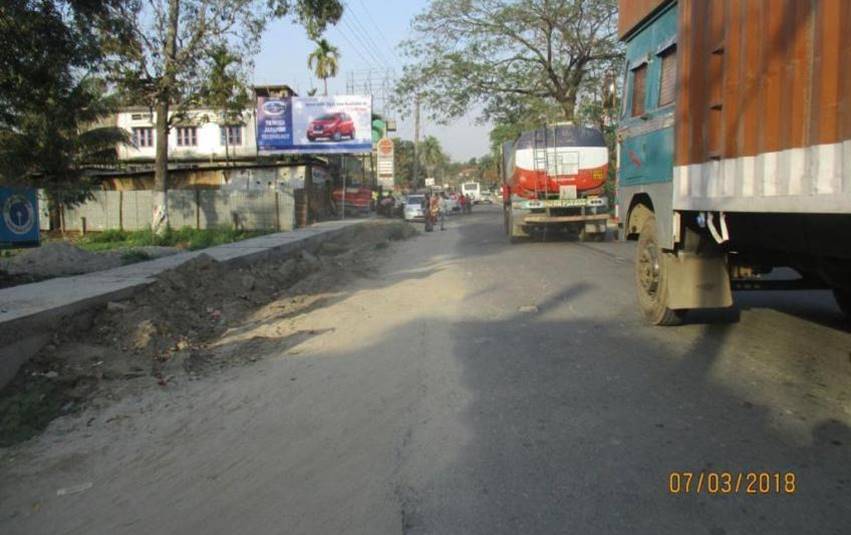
[[414, 177]]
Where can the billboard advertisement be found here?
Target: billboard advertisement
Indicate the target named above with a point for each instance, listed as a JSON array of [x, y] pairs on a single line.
[[309, 125]]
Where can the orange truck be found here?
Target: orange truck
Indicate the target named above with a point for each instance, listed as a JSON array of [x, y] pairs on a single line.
[[734, 153]]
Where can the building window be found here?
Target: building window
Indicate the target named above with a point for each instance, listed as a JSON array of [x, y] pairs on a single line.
[[231, 135], [668, 84], [143, 137], [639, 86], [187, 136]]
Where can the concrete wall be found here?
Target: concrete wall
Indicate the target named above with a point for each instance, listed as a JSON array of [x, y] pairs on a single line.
[[132, 210]]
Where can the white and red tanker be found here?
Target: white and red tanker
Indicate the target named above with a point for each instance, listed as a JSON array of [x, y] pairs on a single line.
[[553, 179]]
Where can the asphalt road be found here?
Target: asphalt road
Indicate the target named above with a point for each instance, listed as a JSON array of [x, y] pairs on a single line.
[[471, 386]]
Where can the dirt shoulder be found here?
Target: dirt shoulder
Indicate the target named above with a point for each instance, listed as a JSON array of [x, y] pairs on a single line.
[[180, 328], [61, 259]]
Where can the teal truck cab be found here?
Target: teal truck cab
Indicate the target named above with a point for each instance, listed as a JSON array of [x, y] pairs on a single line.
[[734, 152]]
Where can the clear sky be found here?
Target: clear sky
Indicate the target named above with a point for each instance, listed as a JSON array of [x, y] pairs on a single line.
[[367, 38]]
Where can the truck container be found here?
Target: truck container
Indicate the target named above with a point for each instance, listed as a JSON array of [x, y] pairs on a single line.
[[734, 155], [553, 180]]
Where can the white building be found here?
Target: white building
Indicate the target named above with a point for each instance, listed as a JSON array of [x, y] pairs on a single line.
[[202, 135]]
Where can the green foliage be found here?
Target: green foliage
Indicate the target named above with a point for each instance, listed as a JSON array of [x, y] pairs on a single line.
[[210, 37], [187, 237], [134, 255], [51, 95], [226, 91], [497, 52], [404, 156], [431, 154], [313, 15], [324, 61]]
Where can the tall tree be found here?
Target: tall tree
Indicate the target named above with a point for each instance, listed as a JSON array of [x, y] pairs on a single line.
[[226, 92], [492, 52], [324, 60], [431, 155], [166, 62], [51, 94], [403, 151]]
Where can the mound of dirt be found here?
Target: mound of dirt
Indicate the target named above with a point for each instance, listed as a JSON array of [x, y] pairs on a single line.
[[58, 259], [167, 332]]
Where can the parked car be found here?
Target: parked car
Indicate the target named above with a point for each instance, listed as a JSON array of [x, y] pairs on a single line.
[[334, 126], [486, 197], [358, 199], [414, 208]]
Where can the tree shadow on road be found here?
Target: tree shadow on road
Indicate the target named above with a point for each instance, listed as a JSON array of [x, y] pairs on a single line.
[[577, 425]]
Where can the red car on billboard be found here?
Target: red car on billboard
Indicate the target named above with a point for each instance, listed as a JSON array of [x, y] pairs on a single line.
[[334, 126]]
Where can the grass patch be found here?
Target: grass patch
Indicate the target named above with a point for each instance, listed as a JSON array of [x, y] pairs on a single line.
[[132, 256], [186, 238]]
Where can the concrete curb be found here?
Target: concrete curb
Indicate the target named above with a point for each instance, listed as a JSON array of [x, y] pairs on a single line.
[[30, 313]]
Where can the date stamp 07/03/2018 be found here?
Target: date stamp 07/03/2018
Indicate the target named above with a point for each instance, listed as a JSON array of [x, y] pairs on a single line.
[[721, 483]]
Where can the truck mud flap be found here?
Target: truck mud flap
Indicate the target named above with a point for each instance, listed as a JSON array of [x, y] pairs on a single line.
[[696, 281]]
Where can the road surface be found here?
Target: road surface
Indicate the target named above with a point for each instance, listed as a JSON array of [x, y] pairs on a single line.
[[471, 386]]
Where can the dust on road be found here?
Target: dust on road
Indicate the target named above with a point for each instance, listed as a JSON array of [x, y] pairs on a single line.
[[468, 386], [181, 327]]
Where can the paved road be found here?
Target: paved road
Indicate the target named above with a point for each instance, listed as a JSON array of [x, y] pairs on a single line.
[[475, 387]]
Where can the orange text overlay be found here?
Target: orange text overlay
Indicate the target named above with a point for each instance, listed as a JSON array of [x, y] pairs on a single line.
[[732, 483]]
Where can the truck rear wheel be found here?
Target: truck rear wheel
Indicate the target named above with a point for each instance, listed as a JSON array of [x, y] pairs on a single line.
[[515, 232], [843, 299], [651, 279]]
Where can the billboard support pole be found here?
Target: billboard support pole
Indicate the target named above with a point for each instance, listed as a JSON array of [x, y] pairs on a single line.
[[414, 177], [308, 191], [343, 176]]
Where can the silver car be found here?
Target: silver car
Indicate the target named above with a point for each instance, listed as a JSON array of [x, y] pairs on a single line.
[[414, 208]]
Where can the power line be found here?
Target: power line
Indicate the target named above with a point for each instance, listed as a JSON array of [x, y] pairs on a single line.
[[369, 50], [353, 47], [380, 33], [368, 36]]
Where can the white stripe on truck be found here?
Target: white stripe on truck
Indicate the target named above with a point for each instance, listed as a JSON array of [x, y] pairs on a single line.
[[814, 179]]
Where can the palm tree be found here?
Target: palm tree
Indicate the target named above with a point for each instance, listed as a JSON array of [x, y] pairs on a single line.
[[225, 92], [431, 154], [323, 61]]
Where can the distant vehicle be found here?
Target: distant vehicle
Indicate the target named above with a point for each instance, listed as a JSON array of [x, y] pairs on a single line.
[[729, 166], [414, 208], [357, 199], [472, 190], [452, 203], [553, 179], [333, 126], [487, 197]]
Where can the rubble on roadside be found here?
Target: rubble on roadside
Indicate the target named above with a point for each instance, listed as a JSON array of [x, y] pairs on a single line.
[[166, 333], [60, 258]]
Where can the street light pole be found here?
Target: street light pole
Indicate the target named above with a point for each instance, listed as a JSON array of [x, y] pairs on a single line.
[[414, 177]]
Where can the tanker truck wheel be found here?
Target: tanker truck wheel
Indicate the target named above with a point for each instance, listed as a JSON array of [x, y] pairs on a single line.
[[843, 299], [651, 279], [515, 232]]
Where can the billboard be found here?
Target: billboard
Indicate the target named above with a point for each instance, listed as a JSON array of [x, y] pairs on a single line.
[[310, 125]]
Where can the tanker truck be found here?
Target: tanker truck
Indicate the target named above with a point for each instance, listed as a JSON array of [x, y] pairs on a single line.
[[553, 181], [734, 157]]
